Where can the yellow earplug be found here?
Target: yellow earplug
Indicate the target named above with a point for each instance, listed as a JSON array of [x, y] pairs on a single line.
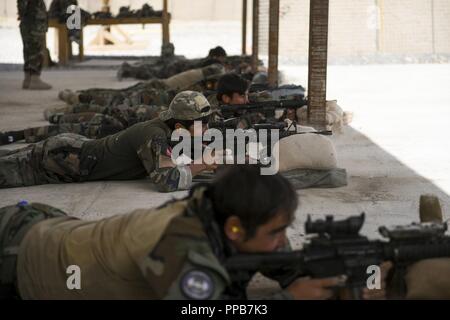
[[235, 229]]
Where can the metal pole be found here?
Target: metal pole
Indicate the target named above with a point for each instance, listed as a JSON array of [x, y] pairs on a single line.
[[274, 23], [244, 27], [317, 69], [433, 28], [255, 40], [380, 26]]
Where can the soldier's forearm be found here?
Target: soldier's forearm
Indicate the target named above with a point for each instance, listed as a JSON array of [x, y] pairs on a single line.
[[280, 295], [197, 168], [172, 179]]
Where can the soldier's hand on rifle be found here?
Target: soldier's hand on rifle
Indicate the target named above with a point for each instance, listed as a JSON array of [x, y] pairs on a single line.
[[199, 168], [376, 294], [315, 289]]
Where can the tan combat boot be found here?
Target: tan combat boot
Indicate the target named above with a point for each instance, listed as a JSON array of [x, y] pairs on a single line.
[[430, 209], [26, 81], [37, 84], [49, 113], [68, 96]]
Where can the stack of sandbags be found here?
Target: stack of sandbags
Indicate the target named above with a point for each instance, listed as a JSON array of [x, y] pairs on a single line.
[[336, 117], [309, 160]]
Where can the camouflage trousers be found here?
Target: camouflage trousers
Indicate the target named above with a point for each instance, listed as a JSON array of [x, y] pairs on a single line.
[[153, 92], [96, 114], [57, 114], [161, 69], [54, 160], [15, 222], [33, 28], [89, 125]]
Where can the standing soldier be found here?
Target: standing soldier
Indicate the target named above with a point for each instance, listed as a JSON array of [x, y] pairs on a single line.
[[33, 27]]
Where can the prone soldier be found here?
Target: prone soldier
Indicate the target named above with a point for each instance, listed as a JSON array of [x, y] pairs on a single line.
[[139, 151], [91, 124], [104, 112], [154, 92], [176, 251], [169, 65]]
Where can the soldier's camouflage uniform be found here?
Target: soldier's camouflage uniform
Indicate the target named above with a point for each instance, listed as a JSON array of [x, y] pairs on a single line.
[[162, 68], [90, 125], [102, 112], [173, 252], [170, 66], [33, 28], [143, 92], [176, 251], [153, 92], [93, 125], [135, 153], [131, 154]]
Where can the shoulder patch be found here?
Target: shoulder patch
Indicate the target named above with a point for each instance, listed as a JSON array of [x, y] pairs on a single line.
[[198, 285]]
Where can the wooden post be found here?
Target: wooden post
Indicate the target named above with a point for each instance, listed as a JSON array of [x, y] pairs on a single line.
[[165, 24], [105, 7], [46, 62], [81, 46], [107, 29], [244, 27], [63, 50], [274, 22], [317, 69], [255, 36]]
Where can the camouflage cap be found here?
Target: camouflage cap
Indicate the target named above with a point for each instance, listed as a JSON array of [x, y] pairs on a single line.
[[187, 105]]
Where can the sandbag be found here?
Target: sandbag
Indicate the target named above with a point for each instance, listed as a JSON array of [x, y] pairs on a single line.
[[336, 118], [316, 178], [184, 80], [429, 279], [305, 151]]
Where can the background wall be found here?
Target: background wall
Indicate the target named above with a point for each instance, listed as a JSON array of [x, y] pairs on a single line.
[[361, 27], [357, 27]]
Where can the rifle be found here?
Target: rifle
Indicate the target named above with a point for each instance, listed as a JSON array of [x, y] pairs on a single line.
[[267, 108], [231, 138], [337, 248]]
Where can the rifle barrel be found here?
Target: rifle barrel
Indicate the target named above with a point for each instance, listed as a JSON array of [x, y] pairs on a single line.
[[264, 106]]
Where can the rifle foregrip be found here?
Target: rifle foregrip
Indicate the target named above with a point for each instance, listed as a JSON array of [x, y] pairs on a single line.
[[408, 253]]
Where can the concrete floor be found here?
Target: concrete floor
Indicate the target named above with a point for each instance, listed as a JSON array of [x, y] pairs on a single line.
[[395, 150]]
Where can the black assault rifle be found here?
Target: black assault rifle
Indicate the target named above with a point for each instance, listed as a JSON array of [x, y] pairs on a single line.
[[337, 248], [267, 108]]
